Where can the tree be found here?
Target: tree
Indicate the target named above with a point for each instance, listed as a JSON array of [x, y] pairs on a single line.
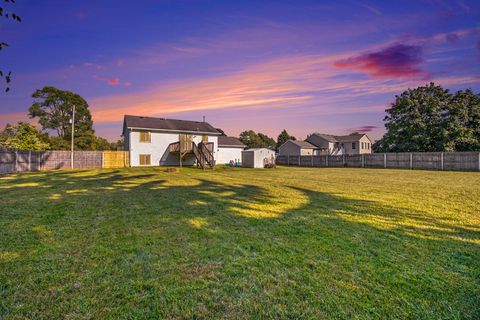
[[429, 118], [53, 107], [23, 136], [3, 13], [253, 140], [102, 144], [284, 137]]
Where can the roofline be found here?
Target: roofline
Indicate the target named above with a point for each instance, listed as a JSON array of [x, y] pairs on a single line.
[[232, 146], [298, 145], [180, 131]]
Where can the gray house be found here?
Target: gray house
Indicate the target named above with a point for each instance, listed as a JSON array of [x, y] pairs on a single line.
[[326, 144], [297, 148], [358, 143]]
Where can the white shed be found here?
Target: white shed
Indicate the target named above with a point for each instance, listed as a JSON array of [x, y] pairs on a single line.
[[257, 158]]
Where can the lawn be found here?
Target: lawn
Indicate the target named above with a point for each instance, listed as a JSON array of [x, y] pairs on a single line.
[[293, 243]]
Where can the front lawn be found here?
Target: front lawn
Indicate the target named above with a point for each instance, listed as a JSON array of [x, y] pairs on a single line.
[[293, 243]]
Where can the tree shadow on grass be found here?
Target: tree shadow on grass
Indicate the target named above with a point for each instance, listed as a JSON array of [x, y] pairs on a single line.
[[243, 250]]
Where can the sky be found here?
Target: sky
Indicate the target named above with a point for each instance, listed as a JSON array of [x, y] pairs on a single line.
[[305, 66]]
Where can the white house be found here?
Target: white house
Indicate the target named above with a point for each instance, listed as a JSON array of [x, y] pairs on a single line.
[[257, 157], [229, 149], [158, 141]]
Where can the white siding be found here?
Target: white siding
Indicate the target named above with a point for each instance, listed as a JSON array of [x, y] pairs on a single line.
[[225, 154], [158, 148]]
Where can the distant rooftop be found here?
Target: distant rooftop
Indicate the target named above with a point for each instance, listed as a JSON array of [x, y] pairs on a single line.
[[225, 141], [347, 138]]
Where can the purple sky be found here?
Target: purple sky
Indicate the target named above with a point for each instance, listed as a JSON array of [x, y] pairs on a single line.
[[307, 66]]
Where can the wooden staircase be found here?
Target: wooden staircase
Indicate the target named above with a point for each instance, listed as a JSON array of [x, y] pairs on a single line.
[[202, 152], [203, 155]]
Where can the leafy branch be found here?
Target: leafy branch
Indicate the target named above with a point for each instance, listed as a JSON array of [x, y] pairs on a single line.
[[4, 74]]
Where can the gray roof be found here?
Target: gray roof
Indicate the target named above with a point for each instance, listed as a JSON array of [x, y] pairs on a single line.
[[168, 124], [348, 138], [303, 144], [225, 141]]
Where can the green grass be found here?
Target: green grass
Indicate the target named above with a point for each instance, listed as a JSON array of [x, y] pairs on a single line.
[[239, 243]]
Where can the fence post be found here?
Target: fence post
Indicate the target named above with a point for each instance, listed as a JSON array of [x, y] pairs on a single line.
[[326, 160], [479, 161], [288, 160], [29, 160], [312, 160], [441, 160], [124, 159], [385, 160], [363, 160], [343, 160], [411, 160], [299, 159], [16, 160]]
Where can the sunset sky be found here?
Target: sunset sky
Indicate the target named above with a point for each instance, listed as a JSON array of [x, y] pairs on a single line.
[[307, 66]]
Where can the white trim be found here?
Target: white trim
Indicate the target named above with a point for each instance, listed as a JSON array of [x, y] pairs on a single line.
[[179, 131]]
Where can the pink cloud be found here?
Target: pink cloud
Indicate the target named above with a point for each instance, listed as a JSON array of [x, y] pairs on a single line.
[[396, 61], [113, 81]]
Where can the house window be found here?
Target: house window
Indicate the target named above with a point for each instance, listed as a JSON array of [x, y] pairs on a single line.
[[145, 136], [363, 145], [354, 145], [145, 159]]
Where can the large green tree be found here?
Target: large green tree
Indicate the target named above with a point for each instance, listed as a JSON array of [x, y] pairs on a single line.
[[53, 108], [23, 136], [256, 140], [430, 118], [6, 75], [284, 137]]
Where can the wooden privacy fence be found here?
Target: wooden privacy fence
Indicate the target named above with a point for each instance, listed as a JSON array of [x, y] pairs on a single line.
[[116, 159], [20, 160], [453, 161]]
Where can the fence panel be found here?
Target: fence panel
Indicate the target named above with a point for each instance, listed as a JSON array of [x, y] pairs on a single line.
[[353, 160], [335, 161], [281, 160], [464, 161], [87, 159], [7, 161], [427, 160], [374, 160], [398, 160], [306, 161], [55, 160], [319, 161], [116, 159]]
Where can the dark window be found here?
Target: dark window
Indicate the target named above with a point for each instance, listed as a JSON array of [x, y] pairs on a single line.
[[354, 145], [144, 159]]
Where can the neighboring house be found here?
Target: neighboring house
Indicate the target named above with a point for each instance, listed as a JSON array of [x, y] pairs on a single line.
[[297, 148], [358, 143], [229, 149], [257, 157], [158, 141], [323, 144]]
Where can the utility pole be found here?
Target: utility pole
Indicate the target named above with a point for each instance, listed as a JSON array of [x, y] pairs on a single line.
[[73, 130]]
